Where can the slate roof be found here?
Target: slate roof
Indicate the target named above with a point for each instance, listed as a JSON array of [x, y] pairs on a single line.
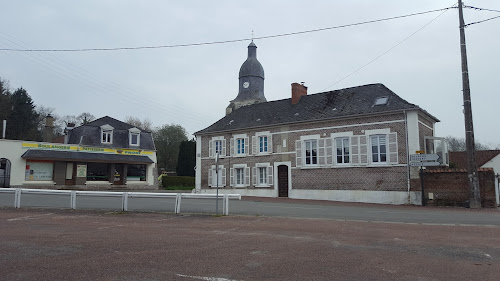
[[90, 135], [459, 158], [342, 103], [85, 156]]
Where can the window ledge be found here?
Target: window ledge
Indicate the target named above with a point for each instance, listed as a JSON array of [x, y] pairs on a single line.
[[98, 183], [239, 155], [262, 185], [39, 183], [263, 153]]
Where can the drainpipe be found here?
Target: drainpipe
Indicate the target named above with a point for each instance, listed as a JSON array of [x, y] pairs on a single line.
[[4, 127], [497, 178], [407, 156]]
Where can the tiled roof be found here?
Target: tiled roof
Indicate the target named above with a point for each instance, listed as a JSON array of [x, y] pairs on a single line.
[[90, 134], [328, 105], [459, 158]]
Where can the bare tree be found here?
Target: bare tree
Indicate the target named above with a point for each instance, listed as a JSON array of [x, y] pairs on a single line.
[[458, 144], [145, 124]]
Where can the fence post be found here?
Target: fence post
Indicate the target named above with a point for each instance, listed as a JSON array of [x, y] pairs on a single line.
[[178, 198], [73, 200], [226, 204], [125, 201], [17, 198]]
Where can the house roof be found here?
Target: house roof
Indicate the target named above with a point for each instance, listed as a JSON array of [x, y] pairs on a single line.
[[459, 158], [85, 156], [90, 134], [346, 102]]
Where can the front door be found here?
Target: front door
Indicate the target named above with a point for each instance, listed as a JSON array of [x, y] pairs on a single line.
[[283, 181], [4, 172]]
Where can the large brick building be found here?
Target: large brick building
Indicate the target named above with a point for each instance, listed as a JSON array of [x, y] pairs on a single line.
[[351, 144]]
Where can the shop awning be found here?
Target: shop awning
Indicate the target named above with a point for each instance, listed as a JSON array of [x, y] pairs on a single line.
[[72, 156]]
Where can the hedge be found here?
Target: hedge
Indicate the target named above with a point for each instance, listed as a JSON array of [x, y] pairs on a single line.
[[177, 181]]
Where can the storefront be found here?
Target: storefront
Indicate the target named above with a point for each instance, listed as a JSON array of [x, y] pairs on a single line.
[[49, 165]]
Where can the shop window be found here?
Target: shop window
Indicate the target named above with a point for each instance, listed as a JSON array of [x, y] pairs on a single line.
[[97, 172], [39, 171], [136, 172]]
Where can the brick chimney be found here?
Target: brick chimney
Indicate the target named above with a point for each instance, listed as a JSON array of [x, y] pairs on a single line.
[[298, 90], [48, 133]]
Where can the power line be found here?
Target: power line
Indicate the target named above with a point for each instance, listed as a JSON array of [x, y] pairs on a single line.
[[224, 41], [390, 49], [481, 9], [469, 24]]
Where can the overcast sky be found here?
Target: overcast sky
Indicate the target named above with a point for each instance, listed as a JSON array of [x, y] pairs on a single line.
[[192, 86]]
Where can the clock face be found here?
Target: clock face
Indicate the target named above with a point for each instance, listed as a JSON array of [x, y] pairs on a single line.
[[246, 84]]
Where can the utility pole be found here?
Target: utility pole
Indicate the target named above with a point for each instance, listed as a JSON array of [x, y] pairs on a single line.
[[474, 196]]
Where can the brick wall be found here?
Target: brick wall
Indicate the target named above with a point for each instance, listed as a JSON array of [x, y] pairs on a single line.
[[450, 187], [387, 178]]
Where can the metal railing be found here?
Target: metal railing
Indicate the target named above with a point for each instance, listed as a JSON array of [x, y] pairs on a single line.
[[124, 196]]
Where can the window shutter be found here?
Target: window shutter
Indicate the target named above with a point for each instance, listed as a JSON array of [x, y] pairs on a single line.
[[254, 145], [363, 150], [254, 176], [329, 151], [298, 153], [270, 175], [321, 152], [210, 177], [270, 143], [393, 148], [355, 150], [231, 147], [231, 177], [247, 176], [210, 148], [246, 146], [223, 147], [223, 177]]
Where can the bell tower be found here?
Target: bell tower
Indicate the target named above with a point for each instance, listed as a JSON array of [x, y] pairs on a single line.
[[251, 82]]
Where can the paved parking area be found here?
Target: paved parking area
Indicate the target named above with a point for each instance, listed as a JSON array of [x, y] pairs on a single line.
[[39, 244]]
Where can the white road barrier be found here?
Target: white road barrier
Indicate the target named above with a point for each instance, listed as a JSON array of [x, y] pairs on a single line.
[[73, 194]]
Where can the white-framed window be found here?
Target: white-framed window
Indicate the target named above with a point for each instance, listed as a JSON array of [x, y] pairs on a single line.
[[107, 134], [217, 145], [240, 175], [262, 175], [381, 147], [215, 177], [311, 152], [342, 150], [134, 136], [239, 145], [262, 143], [378, 145]]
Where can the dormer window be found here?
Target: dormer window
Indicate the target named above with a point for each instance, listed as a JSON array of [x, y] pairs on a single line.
[[106, 134], [381, 101], [134, 136]]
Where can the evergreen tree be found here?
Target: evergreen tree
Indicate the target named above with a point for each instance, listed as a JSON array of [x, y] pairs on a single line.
[[187, 158], [22, 120], [5, 101]]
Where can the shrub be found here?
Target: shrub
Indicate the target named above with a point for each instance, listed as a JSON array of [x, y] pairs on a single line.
[[168, 181]]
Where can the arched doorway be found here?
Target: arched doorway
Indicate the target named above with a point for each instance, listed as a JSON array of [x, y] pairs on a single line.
[[4, 172], [282, 181]]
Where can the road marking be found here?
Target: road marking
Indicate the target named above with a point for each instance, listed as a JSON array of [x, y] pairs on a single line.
[[206, 278], [29, 217]]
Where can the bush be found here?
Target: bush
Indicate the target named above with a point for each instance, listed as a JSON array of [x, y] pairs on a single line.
[[170, 181]]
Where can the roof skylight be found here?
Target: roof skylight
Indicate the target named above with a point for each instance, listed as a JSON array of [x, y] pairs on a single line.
[[381, 100]]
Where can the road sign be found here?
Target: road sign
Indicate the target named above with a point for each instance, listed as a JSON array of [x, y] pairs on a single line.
[[423, 157], [424, 164]]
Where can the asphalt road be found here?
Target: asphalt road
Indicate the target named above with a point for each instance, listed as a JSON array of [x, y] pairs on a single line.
[[41, 244], [285, 207]]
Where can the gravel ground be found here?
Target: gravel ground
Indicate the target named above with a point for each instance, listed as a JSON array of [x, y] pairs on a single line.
[[38, 244]]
